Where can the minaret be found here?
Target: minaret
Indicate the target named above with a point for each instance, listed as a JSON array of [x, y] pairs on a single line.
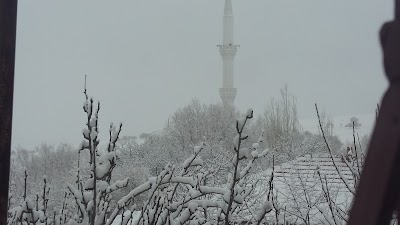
[[228, 51]]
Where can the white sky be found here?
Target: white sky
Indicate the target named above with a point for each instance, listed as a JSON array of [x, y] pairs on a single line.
[[145, 59]]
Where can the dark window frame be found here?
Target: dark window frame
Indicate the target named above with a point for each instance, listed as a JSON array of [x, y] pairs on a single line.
[[8, 24]]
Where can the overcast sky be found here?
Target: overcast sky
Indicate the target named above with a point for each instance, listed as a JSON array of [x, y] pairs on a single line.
[[146, 58]]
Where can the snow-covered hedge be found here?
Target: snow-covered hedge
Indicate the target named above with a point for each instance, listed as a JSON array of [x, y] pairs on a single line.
[[179, 194]]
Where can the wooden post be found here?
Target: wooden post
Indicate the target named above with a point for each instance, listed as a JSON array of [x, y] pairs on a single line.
[[379, 190], [8, 21]]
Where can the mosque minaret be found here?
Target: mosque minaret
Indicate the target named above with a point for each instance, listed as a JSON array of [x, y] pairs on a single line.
[[228, 51]]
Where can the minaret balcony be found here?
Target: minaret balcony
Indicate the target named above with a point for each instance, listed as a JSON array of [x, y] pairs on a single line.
[[229, 47], [231, 91], [228, 50], [228, 95]]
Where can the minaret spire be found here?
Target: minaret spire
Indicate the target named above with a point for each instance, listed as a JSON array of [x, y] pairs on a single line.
[[228, 51]]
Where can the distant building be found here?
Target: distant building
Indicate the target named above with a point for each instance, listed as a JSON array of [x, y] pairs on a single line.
[[228, 51]]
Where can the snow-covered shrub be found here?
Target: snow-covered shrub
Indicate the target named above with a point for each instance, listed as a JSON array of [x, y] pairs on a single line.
[[31, 211], [187, 127], [56, 162], [196, 123], [191, 125], [93, 195], [182, 196], [185, 194], [137, 175]]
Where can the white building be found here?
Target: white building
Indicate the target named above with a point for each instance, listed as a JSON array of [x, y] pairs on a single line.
[[228, 51]]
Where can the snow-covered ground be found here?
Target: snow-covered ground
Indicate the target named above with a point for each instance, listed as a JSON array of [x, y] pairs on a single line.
[[345, 134]]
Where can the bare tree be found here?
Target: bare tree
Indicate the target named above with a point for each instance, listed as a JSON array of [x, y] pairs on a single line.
[[281, 125]]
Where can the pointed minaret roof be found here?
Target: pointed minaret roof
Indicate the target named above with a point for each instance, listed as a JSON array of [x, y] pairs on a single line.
[[228, 8]]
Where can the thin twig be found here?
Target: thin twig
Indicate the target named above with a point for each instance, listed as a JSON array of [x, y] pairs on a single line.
[[330, 152]]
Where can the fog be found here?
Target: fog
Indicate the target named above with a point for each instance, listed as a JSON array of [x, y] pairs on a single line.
[[145, 59]]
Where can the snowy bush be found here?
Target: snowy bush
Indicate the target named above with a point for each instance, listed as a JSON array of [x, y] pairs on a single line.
[[31, 212], [57, 163], [216, 184], [93, 195], [182, 196]]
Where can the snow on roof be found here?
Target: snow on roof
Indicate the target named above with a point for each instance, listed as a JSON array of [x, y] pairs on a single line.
[[306, 167], [297, 183]]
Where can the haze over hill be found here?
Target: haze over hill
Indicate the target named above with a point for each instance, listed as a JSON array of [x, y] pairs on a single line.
[[146, 59], [344, 133]]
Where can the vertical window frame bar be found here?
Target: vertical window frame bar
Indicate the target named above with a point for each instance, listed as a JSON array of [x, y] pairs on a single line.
[[8, 24]]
